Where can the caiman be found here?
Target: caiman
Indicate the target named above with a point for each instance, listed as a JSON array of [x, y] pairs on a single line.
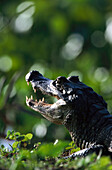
[[79, 108]]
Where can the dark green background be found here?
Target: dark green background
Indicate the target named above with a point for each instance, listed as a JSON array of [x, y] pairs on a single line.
[[55, 37]]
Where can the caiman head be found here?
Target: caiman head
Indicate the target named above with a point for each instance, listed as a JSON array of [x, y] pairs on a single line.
[[66, 90]]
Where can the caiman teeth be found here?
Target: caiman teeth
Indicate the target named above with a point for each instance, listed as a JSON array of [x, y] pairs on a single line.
[[28, 83], [43, 99], [26, 98], [34, 90], [33, 87], [31, 97]]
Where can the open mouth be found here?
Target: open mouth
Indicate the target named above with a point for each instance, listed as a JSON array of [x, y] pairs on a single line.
[[57, 111], [43, 84], [52, 112], [31, 101]]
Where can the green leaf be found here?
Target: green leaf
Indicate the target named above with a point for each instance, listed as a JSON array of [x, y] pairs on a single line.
[[15, 144], [12, 132], [8, 134], [29, 136], [12, 137], [17, 134], [2, 146], [74, 150], [51, 150]]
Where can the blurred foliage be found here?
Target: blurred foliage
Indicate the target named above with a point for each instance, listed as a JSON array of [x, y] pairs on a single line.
[[56, 37], [44, 156]]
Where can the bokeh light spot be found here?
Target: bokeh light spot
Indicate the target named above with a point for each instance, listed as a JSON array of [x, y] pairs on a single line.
[[98, 39], [40, 130], [76, 73], [5, 63], [101, 74], [108, 31], [27, 7], [106, 87], [23, 23], [73, 47], [38, 67]]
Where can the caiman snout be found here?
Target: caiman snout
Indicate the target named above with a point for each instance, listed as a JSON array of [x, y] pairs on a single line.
[[33, 75]]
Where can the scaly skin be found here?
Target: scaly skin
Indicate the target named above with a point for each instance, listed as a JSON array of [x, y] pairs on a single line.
[[82, 111]]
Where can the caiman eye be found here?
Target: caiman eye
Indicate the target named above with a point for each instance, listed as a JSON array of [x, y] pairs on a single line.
[[74, 79], [61, 79]]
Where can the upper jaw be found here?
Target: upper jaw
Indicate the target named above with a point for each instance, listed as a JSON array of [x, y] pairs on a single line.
[[44, 84], [52, 112], [38, 81], [58, 88]]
